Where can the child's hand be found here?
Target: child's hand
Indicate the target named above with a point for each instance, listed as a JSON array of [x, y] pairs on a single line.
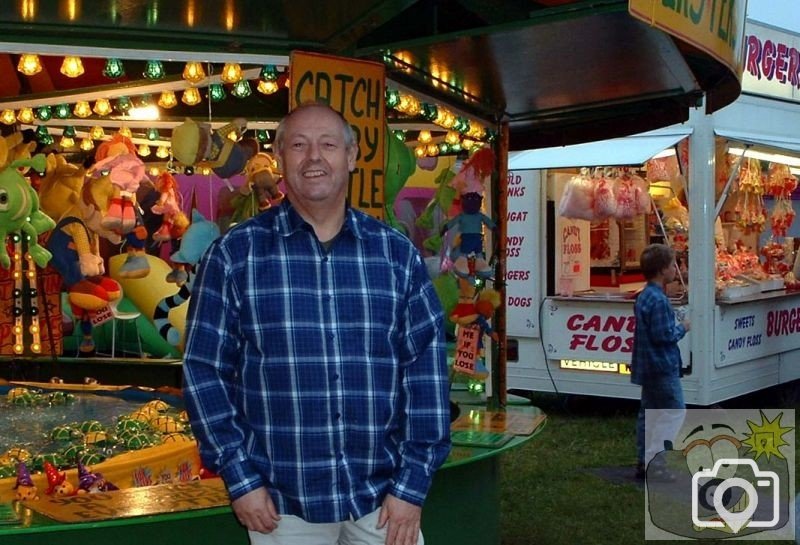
[[686, 324]]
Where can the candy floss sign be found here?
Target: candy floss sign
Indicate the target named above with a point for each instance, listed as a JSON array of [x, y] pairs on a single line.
[[772, 63], [596, 332]]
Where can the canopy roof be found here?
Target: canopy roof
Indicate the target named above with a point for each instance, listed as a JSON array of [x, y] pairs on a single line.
[[558, 71]]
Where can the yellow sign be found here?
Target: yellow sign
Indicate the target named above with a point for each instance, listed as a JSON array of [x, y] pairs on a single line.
[[599, 366], [356, 89], [133, 502], [713, 26]]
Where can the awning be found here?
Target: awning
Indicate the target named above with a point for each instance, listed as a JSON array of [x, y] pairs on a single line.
[[764, 140], [631, 150]]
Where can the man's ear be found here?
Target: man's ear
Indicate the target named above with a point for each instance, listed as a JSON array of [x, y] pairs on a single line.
[[352, 153]]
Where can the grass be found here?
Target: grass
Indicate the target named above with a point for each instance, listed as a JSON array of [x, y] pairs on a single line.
[[550, 497]]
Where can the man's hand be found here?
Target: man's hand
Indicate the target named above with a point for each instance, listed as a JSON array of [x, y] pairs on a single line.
[[403, 519], [256, 512]]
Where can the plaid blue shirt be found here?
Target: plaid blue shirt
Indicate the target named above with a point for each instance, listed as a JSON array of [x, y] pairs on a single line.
[[321, 375], [655, 340]]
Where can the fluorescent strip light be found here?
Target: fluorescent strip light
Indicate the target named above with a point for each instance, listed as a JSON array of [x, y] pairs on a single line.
[[762, 156], [669, 152]]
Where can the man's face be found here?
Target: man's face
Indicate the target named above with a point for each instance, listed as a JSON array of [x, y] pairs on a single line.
[[315, 162]]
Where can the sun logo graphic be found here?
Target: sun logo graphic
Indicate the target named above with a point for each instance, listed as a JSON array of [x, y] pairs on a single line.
[[767, 438]]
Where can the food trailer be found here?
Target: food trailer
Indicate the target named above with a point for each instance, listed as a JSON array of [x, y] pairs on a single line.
[[722, 193]]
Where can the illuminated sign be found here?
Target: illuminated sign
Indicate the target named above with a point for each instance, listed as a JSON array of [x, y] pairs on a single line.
[[714, 27], [597, 366], [772, 63]]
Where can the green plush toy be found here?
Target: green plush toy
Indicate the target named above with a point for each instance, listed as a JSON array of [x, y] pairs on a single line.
[[400, 165], [19, 211]]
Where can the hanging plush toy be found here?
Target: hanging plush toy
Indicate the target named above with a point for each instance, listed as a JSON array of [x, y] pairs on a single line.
[[469, 259], [174, 222], [262, 177], [472, 315], [74, 242], [194, 143], [19, 211], [117, 164]]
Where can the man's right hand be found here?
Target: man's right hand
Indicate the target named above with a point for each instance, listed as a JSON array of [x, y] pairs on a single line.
[[256, 512]]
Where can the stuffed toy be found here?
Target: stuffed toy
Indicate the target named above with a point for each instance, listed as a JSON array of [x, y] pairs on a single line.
[[14, 148], [469, 259], [400, 165], [174, 222], [19, 211], [262, 177], [197, 238], [116, 158], [196, 143], [472, 314], [118, 166], [75, 245]]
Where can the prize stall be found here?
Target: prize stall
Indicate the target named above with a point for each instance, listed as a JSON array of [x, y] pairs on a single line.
[[721, 190], [117, 207]]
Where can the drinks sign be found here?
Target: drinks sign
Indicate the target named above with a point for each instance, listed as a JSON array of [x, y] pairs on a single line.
[[355, 89]]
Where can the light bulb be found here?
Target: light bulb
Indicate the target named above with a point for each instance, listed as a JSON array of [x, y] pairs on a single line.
[[82, 109], [191, 96], [72, 67], [102, 106], [193, 72], [25, 115], [167, 99], [231, 73], [29, 64]]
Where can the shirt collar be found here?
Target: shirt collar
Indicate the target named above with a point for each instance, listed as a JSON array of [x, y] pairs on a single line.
[[290, 221]]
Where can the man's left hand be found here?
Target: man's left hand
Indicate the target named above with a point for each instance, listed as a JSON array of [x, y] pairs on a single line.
[[403, 519]]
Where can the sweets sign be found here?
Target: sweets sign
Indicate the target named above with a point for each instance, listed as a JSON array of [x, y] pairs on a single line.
[[356, 90], [756, 330]]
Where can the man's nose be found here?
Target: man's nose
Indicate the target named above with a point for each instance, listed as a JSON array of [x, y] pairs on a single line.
[[313, 151]]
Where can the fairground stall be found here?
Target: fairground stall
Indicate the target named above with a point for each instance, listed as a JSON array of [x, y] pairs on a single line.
[[720, 189], [134, 133]]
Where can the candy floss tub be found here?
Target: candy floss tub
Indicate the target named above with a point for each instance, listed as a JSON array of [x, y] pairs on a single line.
[[103, 464]]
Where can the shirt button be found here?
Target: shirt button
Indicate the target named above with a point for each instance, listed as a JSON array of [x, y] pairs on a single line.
[[337, 416], [335, 377], [325, 259], [330, 336]]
